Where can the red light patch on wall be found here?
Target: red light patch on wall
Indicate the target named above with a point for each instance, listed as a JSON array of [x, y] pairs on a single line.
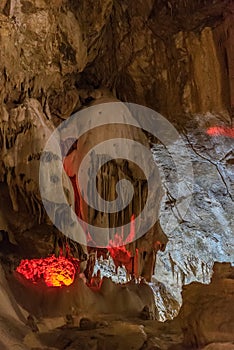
[[220, 131], [54, 272], [120, 255]]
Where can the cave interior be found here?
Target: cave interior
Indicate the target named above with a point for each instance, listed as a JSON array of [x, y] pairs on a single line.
[[116, 174]]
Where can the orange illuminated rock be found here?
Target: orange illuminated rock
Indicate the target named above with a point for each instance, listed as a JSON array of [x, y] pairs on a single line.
[[54, 272], [220, 131]]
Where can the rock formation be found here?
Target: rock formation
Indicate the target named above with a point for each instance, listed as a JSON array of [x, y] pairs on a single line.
[[207, 312], [148, 53], [58, 57], [204, 322]]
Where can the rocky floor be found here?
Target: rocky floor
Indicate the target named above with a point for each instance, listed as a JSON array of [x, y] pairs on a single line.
[[205, 321], [108, 334]]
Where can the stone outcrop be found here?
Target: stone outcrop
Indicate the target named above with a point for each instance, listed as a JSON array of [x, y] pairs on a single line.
[[207, 312]]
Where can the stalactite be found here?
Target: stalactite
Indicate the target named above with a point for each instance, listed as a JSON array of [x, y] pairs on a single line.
[[12, 188], [20, 153]]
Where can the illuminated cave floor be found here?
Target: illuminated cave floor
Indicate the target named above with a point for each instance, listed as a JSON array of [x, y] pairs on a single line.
[[205, 318], [76, 328]]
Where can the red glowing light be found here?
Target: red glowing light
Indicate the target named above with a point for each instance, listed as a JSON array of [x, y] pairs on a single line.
[[119, 241], [54, 272], [220, 131], [120, 254]]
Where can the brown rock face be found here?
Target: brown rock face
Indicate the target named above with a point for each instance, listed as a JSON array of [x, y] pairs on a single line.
[[57, 56], [173, 56], [176, 57], [207, 312]]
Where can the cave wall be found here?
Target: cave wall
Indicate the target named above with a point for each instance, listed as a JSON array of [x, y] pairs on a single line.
[[45, 45], [57, 56], [40, 58], [176, 57]]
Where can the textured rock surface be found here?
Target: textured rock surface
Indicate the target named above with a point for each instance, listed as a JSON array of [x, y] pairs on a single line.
[[204, 322], [169, 55], [220, 346], [207, 312], [148, 53], [174, 56], [206, 233]]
